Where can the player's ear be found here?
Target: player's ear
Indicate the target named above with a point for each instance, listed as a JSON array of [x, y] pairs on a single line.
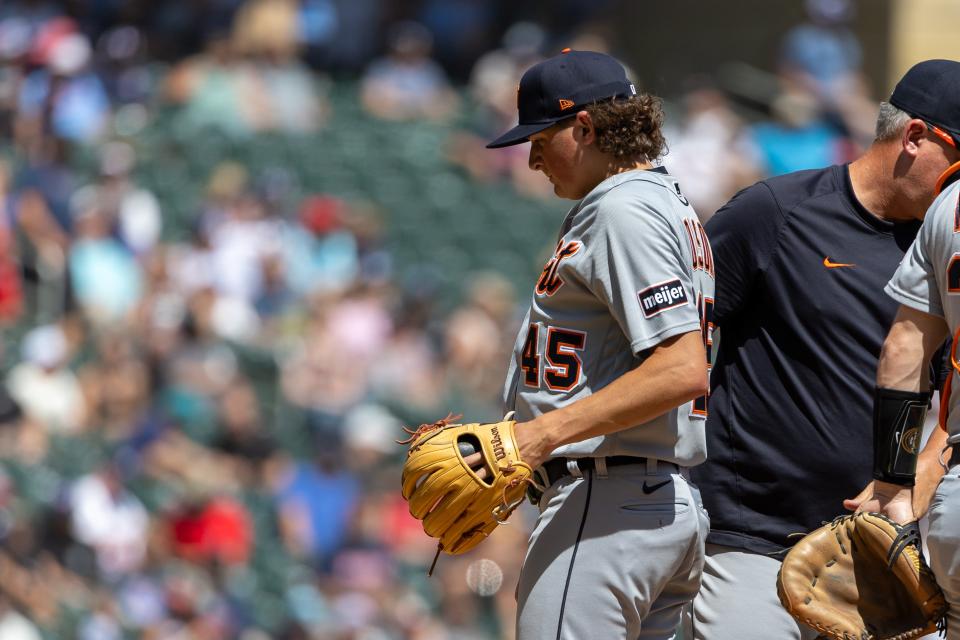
[[584, 131]]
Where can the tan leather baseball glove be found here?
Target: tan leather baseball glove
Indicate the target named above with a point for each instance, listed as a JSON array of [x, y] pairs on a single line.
[[862, 577], [456, 505]]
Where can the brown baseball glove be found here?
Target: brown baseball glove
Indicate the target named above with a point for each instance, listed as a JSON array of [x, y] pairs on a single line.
[[456, 505], [862, 577]]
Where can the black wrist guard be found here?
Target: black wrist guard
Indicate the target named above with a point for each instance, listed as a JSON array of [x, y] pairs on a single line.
[[897, 429]]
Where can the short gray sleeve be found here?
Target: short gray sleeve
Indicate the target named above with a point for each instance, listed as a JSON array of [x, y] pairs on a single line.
[[639, 267], [917, 283]]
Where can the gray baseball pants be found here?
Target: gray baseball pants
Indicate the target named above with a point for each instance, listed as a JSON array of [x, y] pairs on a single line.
[[616, 554], [943, 544], [738, 599]]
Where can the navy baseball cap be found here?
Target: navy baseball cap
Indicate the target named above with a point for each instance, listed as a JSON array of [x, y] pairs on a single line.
[[558, 87], [930, 91]]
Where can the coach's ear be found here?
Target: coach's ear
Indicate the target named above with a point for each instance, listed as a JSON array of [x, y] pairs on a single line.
[[584, 131], [913, 133]]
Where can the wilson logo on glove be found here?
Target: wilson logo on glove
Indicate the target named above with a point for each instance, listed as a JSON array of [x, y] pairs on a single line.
[[497, 443]]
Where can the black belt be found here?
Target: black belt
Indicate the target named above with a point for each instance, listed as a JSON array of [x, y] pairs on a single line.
[[556, 468]]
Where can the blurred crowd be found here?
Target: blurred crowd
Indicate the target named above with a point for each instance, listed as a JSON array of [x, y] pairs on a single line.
[[198, 412]]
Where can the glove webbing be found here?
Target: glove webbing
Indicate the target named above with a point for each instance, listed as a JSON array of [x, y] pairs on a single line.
[[426, 428], [908, 535]]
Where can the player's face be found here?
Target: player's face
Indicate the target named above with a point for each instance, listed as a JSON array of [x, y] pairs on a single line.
[[557, 153], [934, 159], [949, 153]]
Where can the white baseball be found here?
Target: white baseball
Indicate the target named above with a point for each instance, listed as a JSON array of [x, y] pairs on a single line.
[[484, 577]]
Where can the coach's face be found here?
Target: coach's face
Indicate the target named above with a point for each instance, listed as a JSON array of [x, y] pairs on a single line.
[[564, 153]]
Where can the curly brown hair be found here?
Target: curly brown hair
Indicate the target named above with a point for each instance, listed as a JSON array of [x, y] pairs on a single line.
[[630, 129]]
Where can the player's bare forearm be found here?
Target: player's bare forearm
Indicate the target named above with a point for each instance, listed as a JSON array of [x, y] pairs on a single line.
[[907, 350], [929, 472], [674, 373], [909, 346]]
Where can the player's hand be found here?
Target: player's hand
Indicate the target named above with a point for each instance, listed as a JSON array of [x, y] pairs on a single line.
[[892, 500], [475, 462], [533, 449], [853, 504]]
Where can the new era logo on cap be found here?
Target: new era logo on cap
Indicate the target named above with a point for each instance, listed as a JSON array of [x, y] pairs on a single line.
[[551, 91]]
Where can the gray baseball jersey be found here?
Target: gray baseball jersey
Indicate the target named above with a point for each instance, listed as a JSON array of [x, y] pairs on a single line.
[[928, 278], [632, 268]]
